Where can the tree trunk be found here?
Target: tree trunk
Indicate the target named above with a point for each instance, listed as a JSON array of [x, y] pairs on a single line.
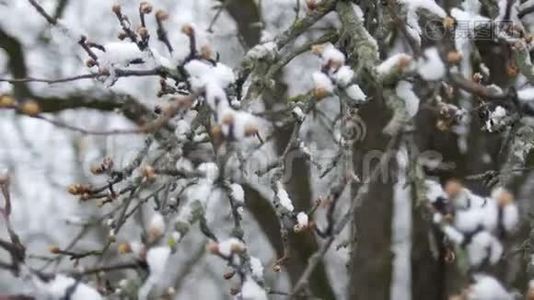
[[370, 266]]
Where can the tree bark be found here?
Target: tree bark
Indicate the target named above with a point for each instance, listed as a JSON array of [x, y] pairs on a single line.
[[370, 265]]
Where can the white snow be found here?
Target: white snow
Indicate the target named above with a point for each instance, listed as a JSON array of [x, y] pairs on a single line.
[[198, 72], [496, 119], [239, 124], [137, 248], [487, 288], [358, 11], [332, 55], [251, 290], [215, 96], [302, 219], [166, 62], [431, 67], [322, 82], [405, 91], [401, 229], [299, 114], [433, 190], [283, 197], [60, 286], [256, 267], [229, 246], [412, 26], [262, 51], [198, 192], [510, 217], [412, 19], [210, 171], [184, 164], [392, 62], [156, 227], [429, 5], [482, 243], [355, 93], [469, 18], [223, 75], [484, 70], [156, 259], [176, 236], [437, 218], [344, 76], [499, 111], [526, 94], [238, 193], [469, 220], [467, 199], [482, 214], [212, 80], [182, 129], [514, 10], [453, 234], [510, 211], [119, 54]]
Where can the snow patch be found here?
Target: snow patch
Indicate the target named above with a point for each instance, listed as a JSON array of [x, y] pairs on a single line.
[[405, 91]]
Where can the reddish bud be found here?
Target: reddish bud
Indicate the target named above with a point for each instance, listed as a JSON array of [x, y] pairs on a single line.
[[162, 15], [145, 7], [31, 108], [116, 9]]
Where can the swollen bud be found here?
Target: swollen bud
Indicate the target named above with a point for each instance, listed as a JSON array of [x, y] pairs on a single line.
[[448, 23], [234, 291], [122, 36], [320, 93], [251, 129], [162, 15], [512, 70], [228, 119], [404, 62], [116, 8], [31, 108], [229, 275], [79, 189], [216, 131], [188, 30], [477, 77], [156, 228], [311, 4], [54, 250], [143, 32], [7, 101], [105, 166], [145, 7], [318, 49], [206, 52], [213, 248], [453, 187], [124, 248], [149, 173], [454, 57], [302, 222], [90, 63]]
